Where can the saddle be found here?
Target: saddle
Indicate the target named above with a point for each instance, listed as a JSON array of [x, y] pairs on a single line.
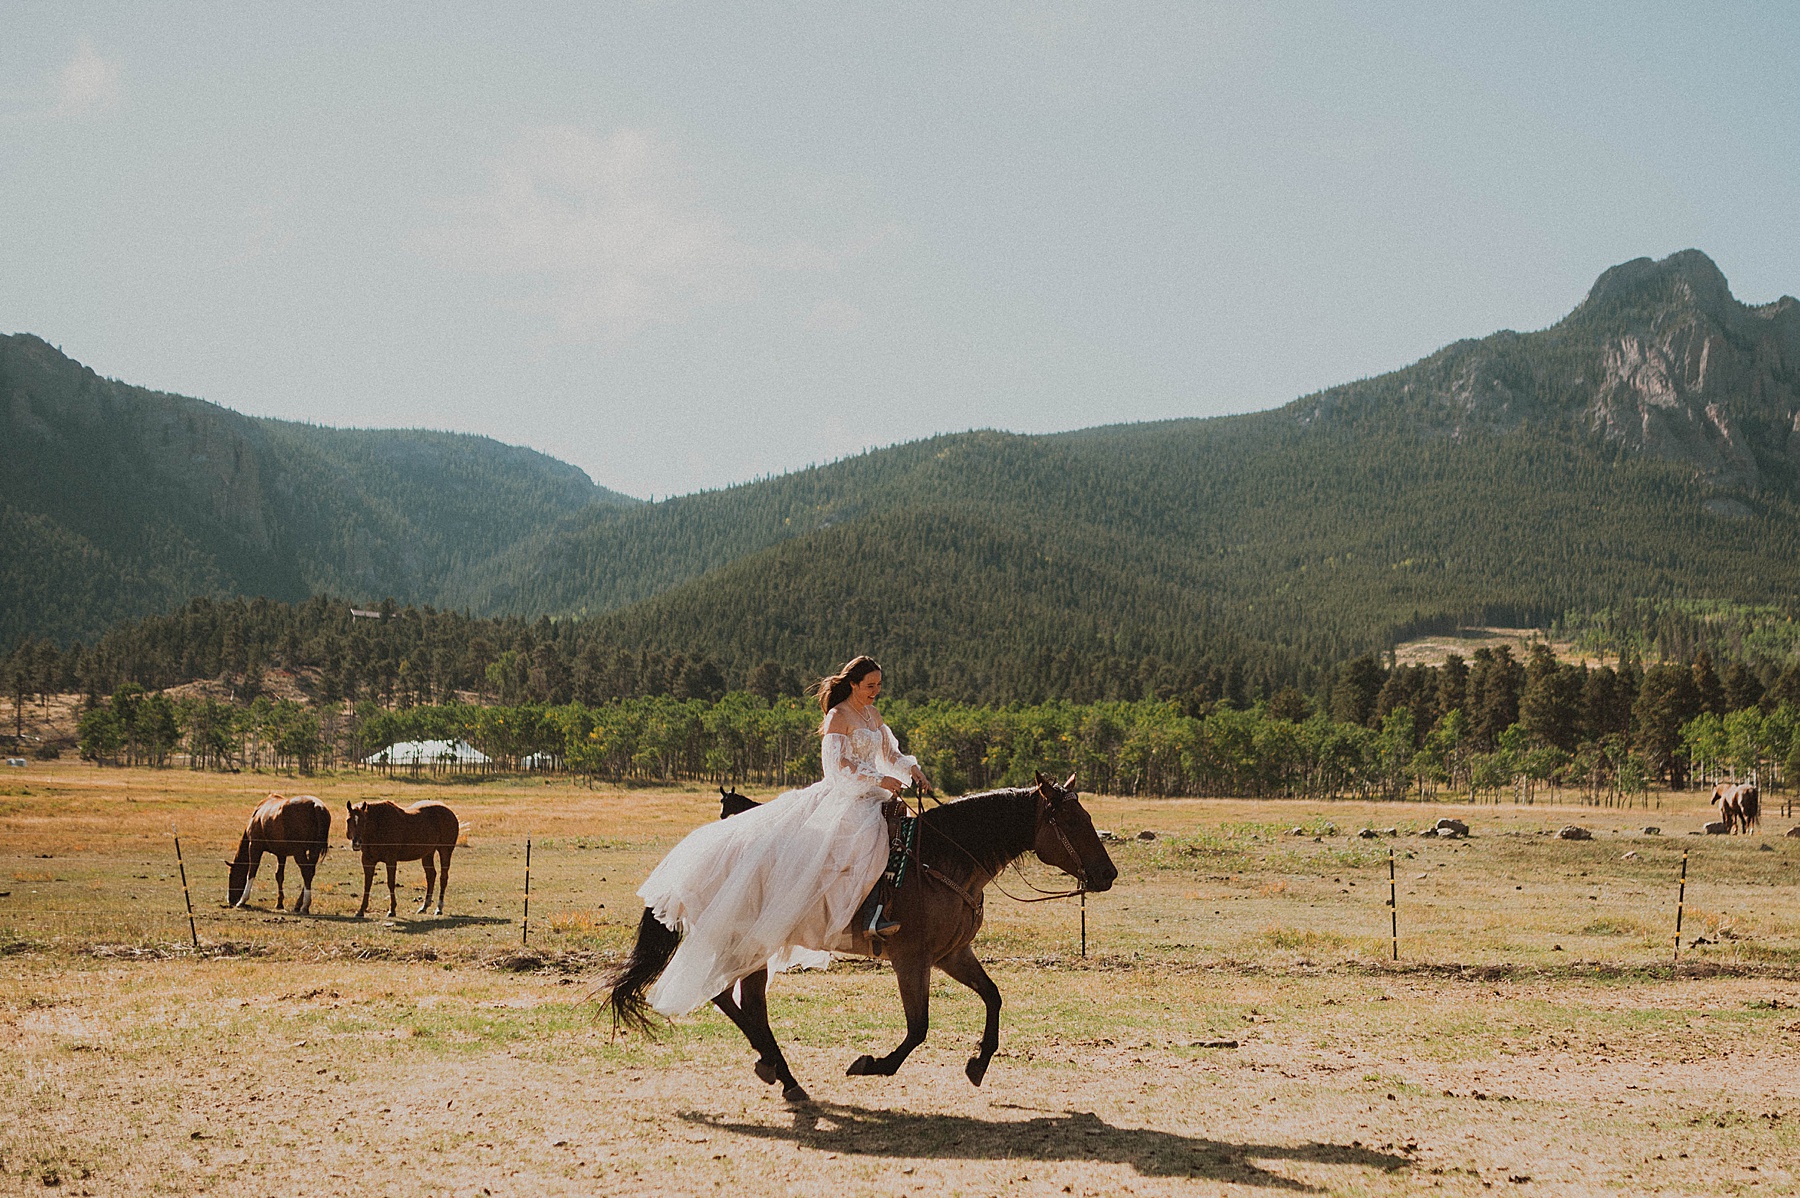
[[902, 834]]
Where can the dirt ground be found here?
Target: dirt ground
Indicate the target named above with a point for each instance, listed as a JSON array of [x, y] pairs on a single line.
[[1236, 1027]]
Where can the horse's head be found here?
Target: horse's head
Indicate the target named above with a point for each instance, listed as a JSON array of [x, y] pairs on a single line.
[[353, 823], [238, 880], [732, 803], [1066, 837], [1719, 792]]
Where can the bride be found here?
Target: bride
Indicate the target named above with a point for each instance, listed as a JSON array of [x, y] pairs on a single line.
[[781, 884]]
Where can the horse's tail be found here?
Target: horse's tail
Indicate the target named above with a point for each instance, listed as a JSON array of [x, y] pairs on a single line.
[[239, 878], [649, 957], [321, 830]]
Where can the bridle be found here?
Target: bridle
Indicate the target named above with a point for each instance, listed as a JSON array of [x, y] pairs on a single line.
[[1044, 896]]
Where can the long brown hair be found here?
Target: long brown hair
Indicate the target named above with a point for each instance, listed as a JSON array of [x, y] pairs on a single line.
[[836, 688]]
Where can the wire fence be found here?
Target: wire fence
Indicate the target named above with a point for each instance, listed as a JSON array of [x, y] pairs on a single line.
[[575, 895]]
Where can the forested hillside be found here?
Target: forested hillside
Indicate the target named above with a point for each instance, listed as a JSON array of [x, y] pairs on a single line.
[[1643, 448], [1641, 451], [117, 502]]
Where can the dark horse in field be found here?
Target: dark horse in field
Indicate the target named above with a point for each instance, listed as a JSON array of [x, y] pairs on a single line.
[[1740, 806], [732, 803], [300, 828], [961, 847], [386, 832]]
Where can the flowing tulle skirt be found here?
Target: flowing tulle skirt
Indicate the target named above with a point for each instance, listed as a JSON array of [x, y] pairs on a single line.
[[775, 886]]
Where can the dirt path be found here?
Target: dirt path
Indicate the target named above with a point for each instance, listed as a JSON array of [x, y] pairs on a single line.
[[277, 1078]]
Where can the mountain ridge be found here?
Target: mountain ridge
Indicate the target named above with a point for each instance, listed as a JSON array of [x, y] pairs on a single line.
[[1644, 446], [119, 500], [1658, 357]]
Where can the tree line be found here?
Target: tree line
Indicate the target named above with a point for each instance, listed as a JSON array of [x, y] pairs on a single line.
[[1485, 728], [404, 656]]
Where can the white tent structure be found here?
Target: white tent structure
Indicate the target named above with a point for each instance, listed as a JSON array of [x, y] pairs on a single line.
[[428, 752]]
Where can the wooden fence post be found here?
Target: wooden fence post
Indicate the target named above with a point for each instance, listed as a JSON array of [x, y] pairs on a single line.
[[525, 925], [185, 896], [1680, 902]]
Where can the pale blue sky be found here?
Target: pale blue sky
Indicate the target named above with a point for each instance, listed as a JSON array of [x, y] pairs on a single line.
[[683, 245]]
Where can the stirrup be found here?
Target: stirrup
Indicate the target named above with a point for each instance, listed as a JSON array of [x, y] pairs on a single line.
[[880, 928]]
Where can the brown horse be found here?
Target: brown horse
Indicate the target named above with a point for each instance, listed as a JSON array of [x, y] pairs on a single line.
[[300, 828], [383, 831], [961, 847], [1740, 806]]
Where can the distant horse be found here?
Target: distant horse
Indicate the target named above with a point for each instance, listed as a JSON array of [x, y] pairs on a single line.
[[1725, 800], [961, 847], [384, 832], [1740, 806], [300, 828], [732, 803], [1749, 801]]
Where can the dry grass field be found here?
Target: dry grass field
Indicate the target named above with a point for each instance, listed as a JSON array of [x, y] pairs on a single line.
[[1532, 1039]]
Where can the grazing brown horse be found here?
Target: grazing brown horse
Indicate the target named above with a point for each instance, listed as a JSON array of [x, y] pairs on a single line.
[[961, 847], [1740, 806], [300, 828], [384, 831]]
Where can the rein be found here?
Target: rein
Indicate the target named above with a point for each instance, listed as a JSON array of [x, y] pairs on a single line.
[[974, 903]]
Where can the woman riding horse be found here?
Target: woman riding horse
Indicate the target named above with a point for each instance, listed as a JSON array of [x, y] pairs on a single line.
[[774, 887], [780, 885]]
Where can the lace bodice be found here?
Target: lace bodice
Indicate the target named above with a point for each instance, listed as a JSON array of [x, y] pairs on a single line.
[[865, 755]]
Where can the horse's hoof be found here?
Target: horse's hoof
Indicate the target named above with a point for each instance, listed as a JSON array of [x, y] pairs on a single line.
[[976, 1069], [796, 1095], [863, 1066], [767, 1073]]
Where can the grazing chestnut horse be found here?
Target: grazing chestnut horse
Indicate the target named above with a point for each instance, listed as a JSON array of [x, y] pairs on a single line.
[[384, 831], [300, 828], [1740, 806], [960, 848]]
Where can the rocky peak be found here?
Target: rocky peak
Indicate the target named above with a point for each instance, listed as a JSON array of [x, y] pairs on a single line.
[[1688, 373], [1684, 279], [1660, 358]]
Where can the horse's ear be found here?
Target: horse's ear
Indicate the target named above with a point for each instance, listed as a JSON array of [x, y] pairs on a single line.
[[1043, 782], [349, 806], [1069, 784]]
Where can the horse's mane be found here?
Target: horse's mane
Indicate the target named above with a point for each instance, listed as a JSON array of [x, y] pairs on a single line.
[[993, 827]]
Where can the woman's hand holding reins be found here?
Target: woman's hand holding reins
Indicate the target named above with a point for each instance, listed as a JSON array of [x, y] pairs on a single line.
[[892, 785]]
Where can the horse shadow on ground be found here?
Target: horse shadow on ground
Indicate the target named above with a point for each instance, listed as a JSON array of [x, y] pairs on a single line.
[[1074, 1136], [411, 925], [419, 924]]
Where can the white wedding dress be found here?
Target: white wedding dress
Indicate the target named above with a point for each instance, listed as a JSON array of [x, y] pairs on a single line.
[[779, 884]]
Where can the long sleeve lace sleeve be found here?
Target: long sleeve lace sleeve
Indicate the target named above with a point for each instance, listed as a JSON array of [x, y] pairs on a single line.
[[841, 765], [899, 765]]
